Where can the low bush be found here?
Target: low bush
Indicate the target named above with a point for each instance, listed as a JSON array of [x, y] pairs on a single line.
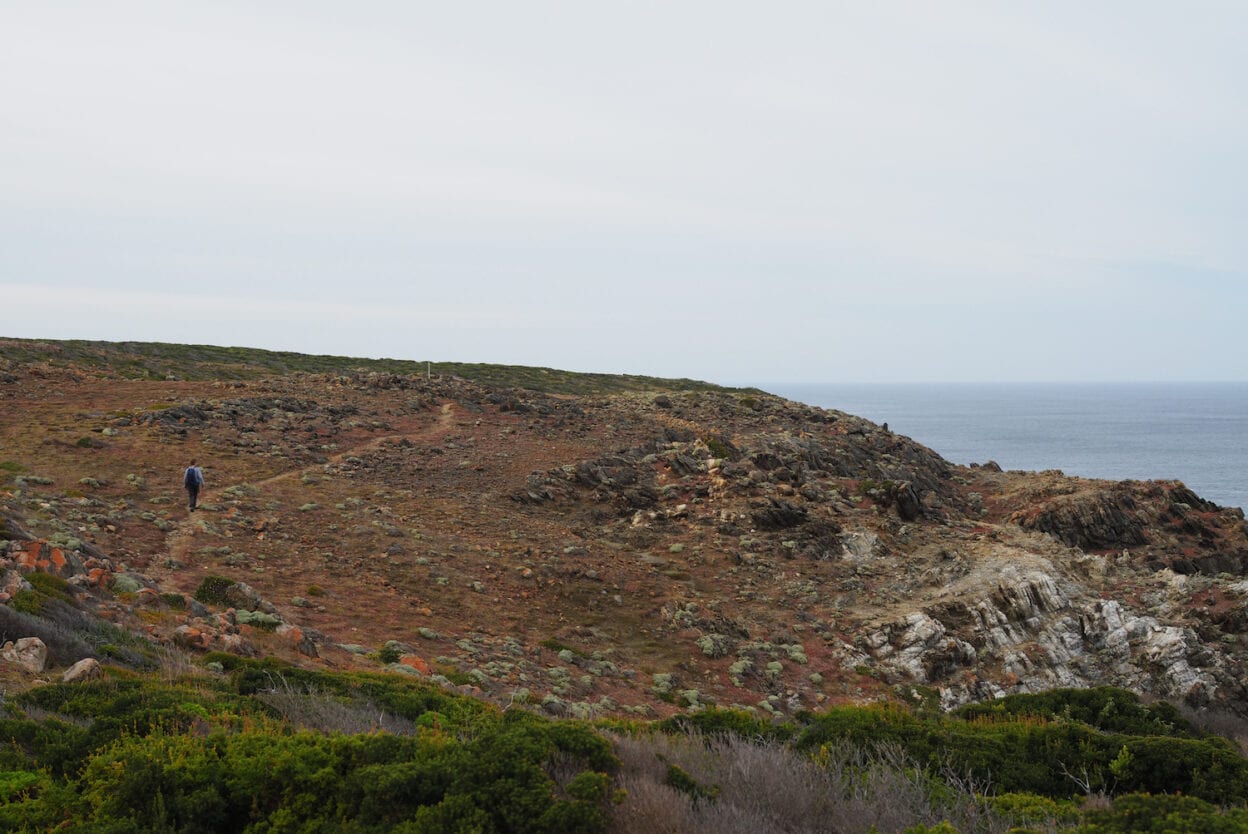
[[214, 590], [1106, 708], [714, 721], [270, 747], [1164, 814], [1051, 758], [134, 755], [50, 585]]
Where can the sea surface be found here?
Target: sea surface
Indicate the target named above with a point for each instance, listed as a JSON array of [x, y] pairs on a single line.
[[1193, 432]]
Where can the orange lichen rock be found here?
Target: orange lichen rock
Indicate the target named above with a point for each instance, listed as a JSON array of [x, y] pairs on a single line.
[[42, 556], [416, 662]]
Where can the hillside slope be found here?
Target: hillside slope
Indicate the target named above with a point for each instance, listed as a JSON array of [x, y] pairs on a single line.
[[595, 544]]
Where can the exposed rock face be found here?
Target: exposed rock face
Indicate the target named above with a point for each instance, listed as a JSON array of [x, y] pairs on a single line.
[[1042, 632], [1108, 519], [777, 514], [906, 473], [861, 545], [909, 505], [1131, 515], [918, 648], [625, 480]]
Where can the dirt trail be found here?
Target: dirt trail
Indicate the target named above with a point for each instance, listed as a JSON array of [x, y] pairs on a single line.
[[181, 538]]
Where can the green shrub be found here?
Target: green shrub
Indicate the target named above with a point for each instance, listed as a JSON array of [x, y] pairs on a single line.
[[1022, 755], [160, 782], [720, 447], [556, 646], [51, 585], [228, 662], [589, 786], [677, 778], [214, 590], [1164, 814], [1208, 768], [1029, 808], [15, 782], [1106, 708], [134, 755], [174, 601], [27, 601], [457, 813], [884, 492], [454, 675]]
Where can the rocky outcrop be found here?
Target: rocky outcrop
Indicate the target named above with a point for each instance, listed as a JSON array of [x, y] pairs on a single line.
[[1040, 632], [94, 579], [28, 653], [1102, 520], [776, 514], [625, 480], [203, 637], [1175, 527], [917, 648], [45, 557], [242, 596]]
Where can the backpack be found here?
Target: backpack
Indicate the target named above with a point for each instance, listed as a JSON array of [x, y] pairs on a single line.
[[191, 478]]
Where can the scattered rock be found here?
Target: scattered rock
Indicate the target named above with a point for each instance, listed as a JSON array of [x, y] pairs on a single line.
[[87, 669], [30, 653]]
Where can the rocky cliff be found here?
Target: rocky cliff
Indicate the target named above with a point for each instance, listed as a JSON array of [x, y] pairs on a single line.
[[615, 551]]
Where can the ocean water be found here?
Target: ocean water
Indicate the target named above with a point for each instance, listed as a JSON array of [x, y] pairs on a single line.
[[1193, 432]]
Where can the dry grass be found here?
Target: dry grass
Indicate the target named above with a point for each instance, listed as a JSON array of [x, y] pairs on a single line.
[[312, 709], [767, 787], [177, 664], [1219, 722]]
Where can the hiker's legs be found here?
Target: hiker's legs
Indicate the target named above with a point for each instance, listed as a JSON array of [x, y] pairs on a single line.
[[192, 495]]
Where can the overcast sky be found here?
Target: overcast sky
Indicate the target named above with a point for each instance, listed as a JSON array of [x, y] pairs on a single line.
[[739, 192]]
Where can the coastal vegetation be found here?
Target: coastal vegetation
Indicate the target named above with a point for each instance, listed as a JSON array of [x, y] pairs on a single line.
[[263, 746], [164, 361]]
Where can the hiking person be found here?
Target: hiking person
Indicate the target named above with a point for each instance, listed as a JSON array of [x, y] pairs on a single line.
[[193, 480]]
